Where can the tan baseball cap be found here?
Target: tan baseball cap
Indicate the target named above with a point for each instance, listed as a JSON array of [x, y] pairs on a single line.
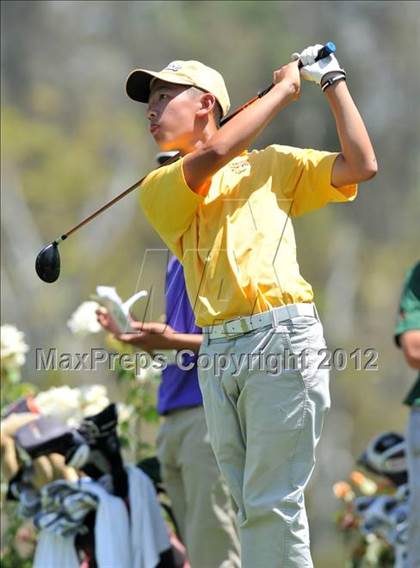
[[191, 73]]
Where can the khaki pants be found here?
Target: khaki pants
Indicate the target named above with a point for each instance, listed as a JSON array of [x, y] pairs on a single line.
[[264, 428], [200, 499]]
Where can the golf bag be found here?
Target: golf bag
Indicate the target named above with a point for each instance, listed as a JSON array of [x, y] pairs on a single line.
[[387, 515], [95, 514]]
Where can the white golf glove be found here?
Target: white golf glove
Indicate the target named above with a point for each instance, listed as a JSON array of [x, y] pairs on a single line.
[[315, 70]]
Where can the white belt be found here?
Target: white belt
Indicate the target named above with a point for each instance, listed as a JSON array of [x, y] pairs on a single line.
[[245, 324]]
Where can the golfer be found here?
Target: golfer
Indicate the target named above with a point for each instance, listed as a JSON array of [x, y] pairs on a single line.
[[225, 213]]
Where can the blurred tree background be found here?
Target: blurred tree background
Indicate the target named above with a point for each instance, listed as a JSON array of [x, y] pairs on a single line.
[[71, 139]]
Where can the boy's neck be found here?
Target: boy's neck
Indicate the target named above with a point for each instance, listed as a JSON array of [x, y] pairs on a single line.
[[203, 138]]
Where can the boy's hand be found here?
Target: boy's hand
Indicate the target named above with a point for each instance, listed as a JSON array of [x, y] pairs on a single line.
[[314, 70], [149, 336], [103, 317], [289, 73], [146, 336]]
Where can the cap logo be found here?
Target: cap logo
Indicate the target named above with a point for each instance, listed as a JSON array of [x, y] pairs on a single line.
[[173, 67]]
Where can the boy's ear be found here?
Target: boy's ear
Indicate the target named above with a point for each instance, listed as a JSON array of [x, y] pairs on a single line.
[[207, 101]]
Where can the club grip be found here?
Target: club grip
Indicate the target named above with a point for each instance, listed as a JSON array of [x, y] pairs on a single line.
[[325, 51]]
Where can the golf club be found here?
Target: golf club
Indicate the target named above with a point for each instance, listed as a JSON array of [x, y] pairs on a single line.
[[47, 264]]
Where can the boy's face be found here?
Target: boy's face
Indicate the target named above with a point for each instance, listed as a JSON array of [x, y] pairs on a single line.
[[172, 111]]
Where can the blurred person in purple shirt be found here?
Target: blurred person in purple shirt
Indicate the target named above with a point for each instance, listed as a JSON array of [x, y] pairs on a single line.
[[179, 388], [199, 496]]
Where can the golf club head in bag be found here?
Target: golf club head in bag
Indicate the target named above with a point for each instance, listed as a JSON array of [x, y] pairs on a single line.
[[398, 533], [93, 447], [375, 514], [385, 455], [385, 516], [100, 433], [399, 522], [65, 506], [20, 489], [47, 435], [362, 504], [400, 516]]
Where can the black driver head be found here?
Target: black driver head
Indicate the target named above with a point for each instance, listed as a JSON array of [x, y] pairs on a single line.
[[47, 264]]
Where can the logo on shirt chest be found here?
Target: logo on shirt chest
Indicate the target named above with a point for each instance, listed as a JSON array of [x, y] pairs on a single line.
[[239, 166]]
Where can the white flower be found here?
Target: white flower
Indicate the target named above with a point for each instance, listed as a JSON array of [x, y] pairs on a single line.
[[61, 402], [71, 405], [13, 346], [91, 393], [83, 321], [93, 399], [124, 412]]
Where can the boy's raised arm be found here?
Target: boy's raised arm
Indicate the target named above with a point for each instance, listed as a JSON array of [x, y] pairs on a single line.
[[357, 161]]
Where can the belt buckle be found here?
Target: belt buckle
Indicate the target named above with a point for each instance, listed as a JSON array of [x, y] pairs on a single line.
[[243, 325]]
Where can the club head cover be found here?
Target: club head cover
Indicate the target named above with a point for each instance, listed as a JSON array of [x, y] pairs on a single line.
[[100, 432], [48, 435], [385, 455]]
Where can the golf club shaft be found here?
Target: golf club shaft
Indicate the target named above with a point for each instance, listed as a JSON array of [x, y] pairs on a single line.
[[326, 50], [109, 204], [99, 211]]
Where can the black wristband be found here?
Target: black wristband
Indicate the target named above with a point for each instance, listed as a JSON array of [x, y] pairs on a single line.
[[338, 76]]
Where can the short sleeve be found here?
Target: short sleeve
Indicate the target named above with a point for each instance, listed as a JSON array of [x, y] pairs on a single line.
[[168, 203], [409, 309], [304, 177]]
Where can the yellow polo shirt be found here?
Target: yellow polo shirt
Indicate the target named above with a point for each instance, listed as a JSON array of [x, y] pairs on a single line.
[[237, 244]]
